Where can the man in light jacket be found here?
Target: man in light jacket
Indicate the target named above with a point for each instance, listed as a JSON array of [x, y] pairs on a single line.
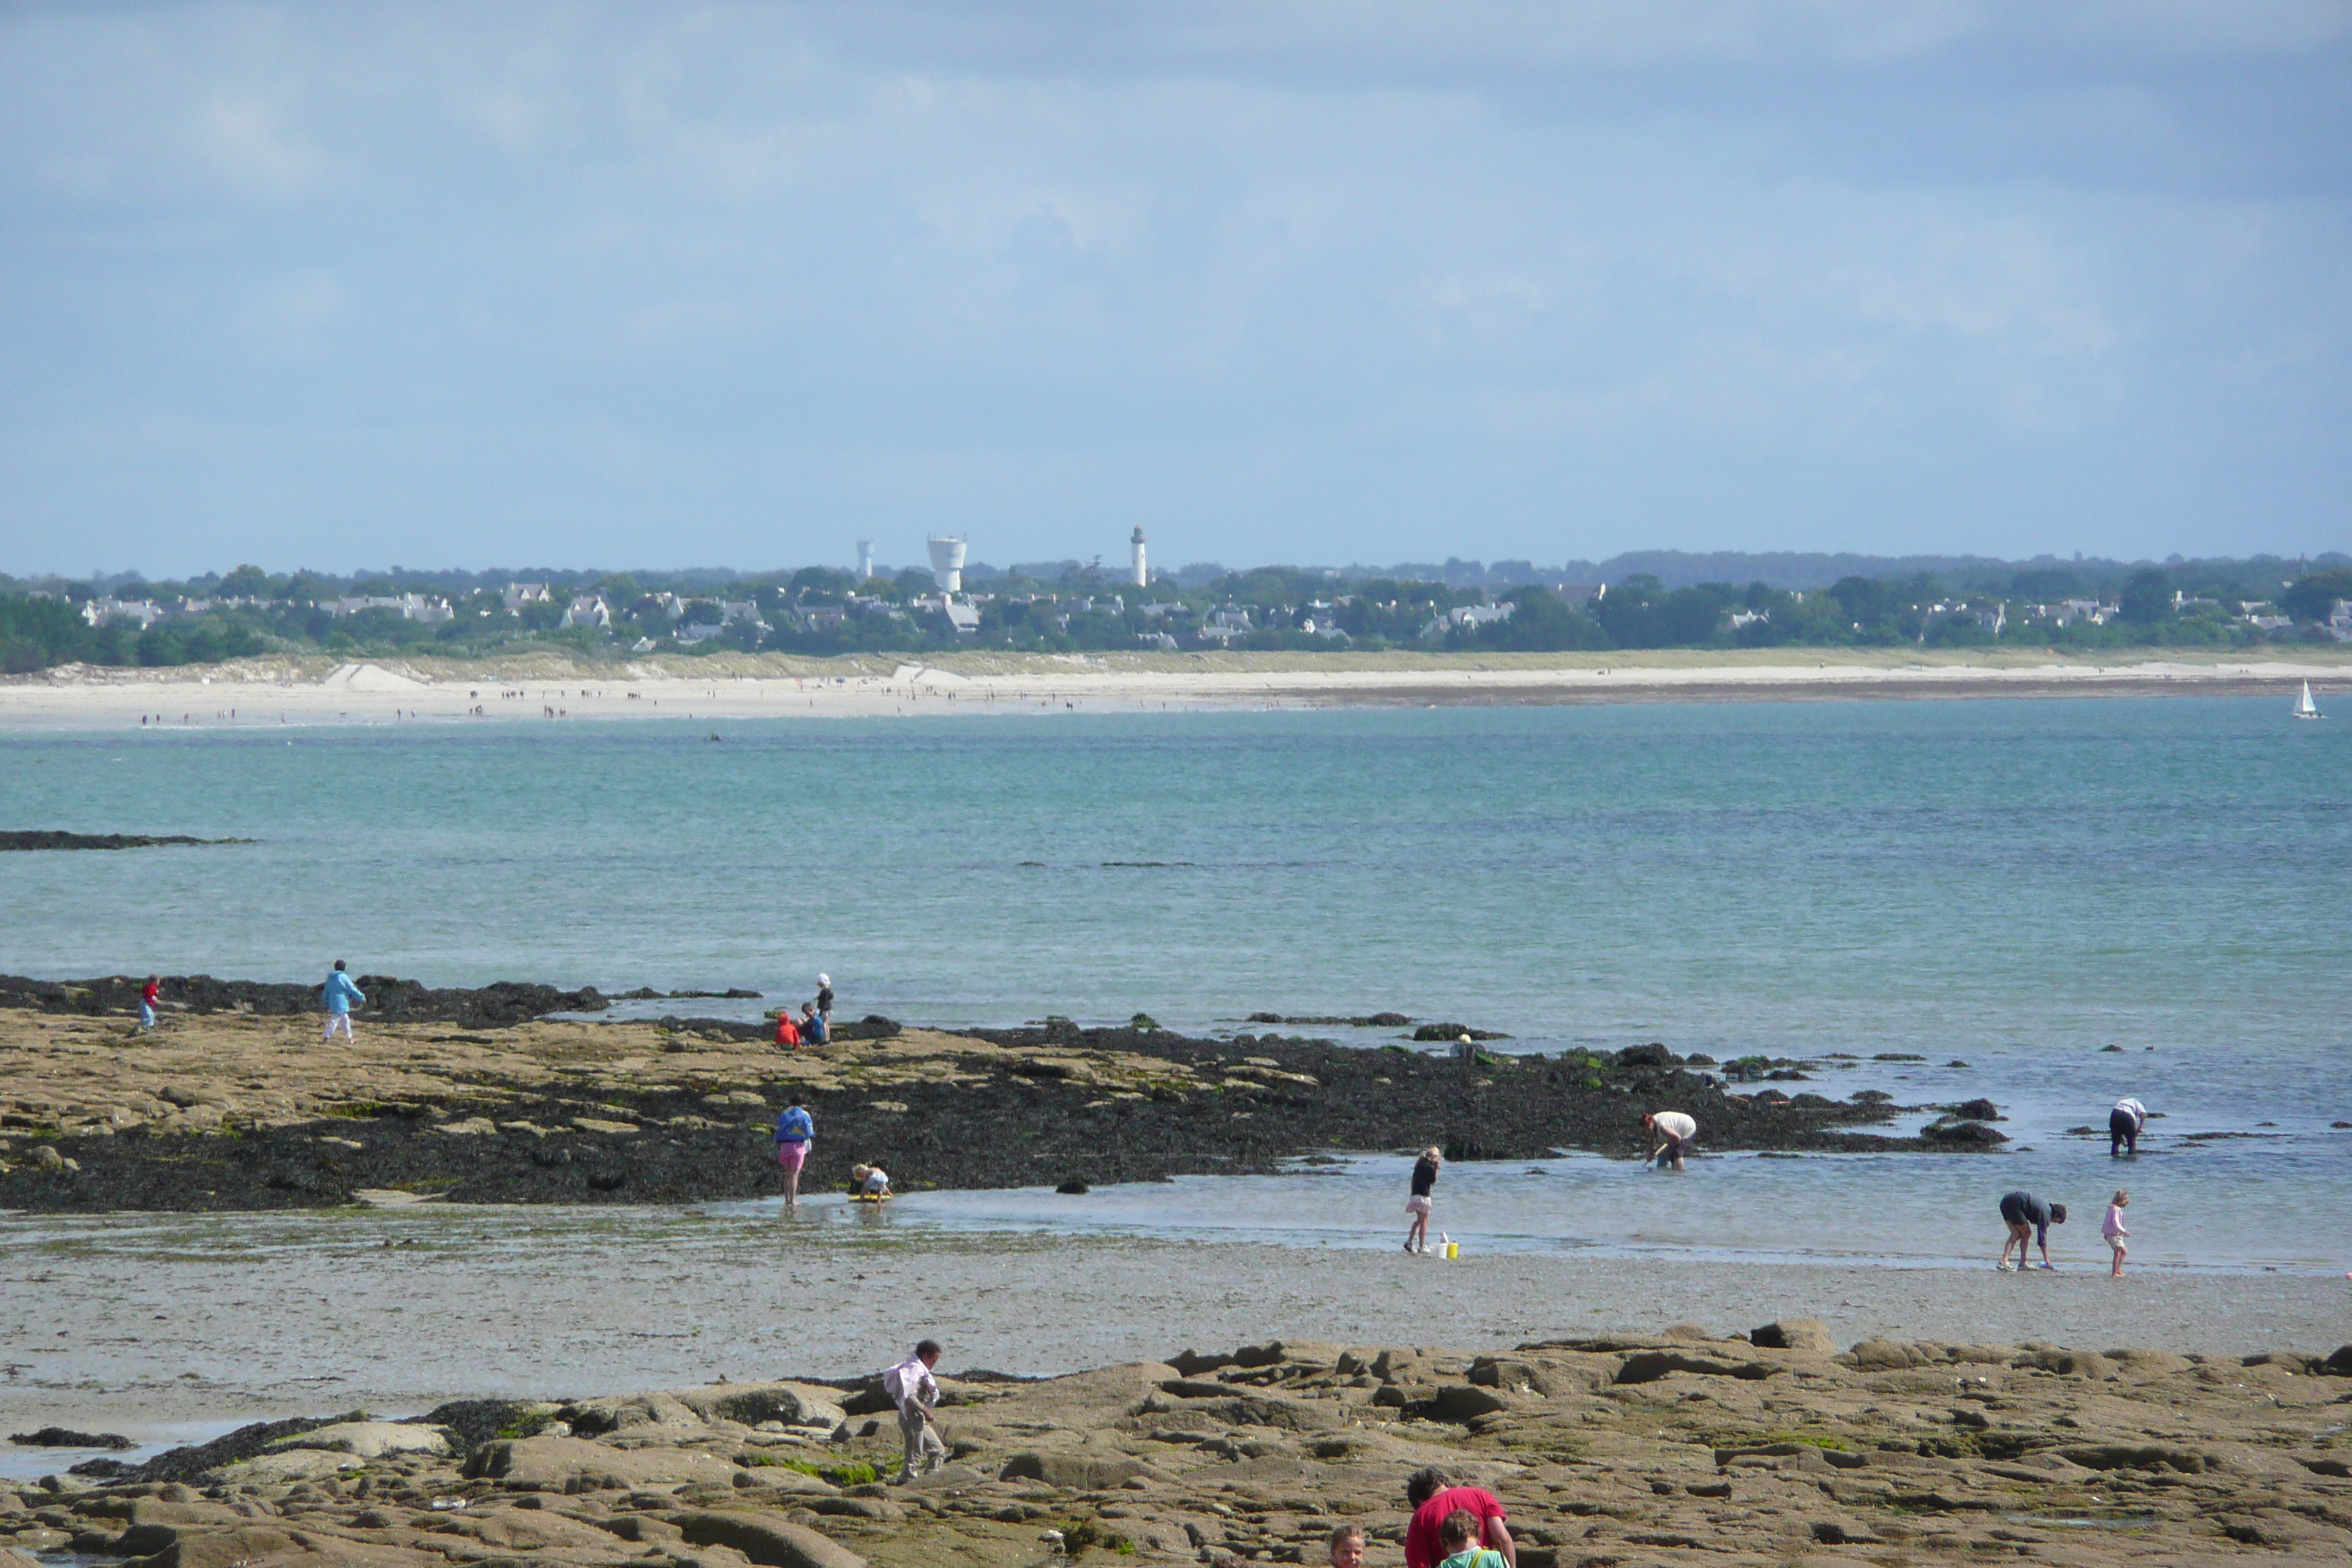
[[1674, 1132], [338, 995], [916, 1392], [2125, 1122]]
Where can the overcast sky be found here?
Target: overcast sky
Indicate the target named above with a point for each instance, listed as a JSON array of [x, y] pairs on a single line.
[[337, 286]]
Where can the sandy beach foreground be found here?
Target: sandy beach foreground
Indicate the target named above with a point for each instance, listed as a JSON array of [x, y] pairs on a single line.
[[1960, 1431], [250, 693]]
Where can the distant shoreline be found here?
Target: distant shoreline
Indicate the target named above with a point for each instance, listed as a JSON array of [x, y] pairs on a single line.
[[253, 693]]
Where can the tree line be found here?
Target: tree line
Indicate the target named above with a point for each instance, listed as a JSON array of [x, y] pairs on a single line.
[[819, 610]]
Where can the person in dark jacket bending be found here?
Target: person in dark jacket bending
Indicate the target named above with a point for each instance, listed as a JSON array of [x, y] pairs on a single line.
[[2028, 1219]]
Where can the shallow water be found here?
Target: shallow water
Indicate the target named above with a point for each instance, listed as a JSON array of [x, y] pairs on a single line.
[[170, 1326], [2011, 884]]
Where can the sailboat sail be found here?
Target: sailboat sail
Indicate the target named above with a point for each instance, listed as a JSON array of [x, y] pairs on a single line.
[[2307, 709]]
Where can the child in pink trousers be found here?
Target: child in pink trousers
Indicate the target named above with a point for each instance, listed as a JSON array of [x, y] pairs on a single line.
[[2112, 1227]]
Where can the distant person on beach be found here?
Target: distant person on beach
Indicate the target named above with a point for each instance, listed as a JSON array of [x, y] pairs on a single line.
[[825, 996], [2112, 1227], [2028, 1219], [1423, 1199], [151, 997], [869, 1182], [1674, 1132], [787, 1032], [916, 1392], [1435, 1499], [1347, 1546], [813, 1025], [2125, 1122], [1458, 1539], [338, 995], [795, 1132]]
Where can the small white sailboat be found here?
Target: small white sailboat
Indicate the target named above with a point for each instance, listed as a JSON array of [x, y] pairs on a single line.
[[2307, 709]]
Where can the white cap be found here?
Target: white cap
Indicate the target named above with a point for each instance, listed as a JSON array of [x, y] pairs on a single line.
[[825, 980]]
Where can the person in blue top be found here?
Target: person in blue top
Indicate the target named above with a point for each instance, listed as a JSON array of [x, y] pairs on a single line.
[[795, 1130], [338, 995], [2028, 1219]]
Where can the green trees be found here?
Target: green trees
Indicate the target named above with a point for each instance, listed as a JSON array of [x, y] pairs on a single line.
[[2147, 598], [1539, 623], [247, 582], [38, 632], [2314, 594], [1640, 613]]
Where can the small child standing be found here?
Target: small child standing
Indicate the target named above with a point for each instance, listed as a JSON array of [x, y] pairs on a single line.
[[2112, 1227]]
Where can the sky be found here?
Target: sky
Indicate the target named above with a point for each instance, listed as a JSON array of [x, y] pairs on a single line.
[[436, 284]]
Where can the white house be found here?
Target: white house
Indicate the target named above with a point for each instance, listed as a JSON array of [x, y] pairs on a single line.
[[106, 612], [515, 595], [588, 610]]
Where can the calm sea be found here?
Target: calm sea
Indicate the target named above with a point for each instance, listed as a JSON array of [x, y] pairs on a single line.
[[2011, 885]]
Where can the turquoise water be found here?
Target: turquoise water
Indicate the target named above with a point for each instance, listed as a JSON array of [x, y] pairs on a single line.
[[2013, 884]]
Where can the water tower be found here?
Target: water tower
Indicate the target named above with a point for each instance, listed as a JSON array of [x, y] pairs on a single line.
[[1142, 577], [947, 562], [864, 561]]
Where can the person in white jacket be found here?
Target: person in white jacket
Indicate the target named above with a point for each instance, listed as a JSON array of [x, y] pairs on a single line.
[[1674, 1132], [912, 1388]]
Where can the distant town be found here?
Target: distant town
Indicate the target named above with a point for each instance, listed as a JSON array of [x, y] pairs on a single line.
[[1647, 600]]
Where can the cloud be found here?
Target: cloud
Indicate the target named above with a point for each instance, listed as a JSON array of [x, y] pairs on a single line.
[[288, 317], [241, 142], [1327, 281]]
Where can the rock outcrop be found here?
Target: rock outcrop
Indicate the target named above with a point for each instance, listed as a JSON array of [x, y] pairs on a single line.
[[1676, 1447]]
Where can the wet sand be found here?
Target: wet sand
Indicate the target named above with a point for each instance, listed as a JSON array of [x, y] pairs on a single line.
[[135, 1324], [249, 694]]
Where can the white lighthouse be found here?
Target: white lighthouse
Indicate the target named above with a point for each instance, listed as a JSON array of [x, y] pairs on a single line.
[[947, 562], [1142, 577], [864, 561]]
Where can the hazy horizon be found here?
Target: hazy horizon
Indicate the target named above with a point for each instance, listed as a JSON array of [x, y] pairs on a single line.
[[728, 282]]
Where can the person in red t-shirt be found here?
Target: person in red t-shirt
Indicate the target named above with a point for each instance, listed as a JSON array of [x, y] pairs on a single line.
[[1433, 1497]]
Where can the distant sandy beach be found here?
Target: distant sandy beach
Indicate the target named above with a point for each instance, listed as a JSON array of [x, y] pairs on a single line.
[[540, 687]]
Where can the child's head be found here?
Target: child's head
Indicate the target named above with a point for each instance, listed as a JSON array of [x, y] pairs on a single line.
[[1348, 1546], [859, 1172], [1459, 1532], [2122, 1197]]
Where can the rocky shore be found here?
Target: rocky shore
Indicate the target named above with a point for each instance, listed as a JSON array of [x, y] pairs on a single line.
[[1682, 1446], [475, 1096]]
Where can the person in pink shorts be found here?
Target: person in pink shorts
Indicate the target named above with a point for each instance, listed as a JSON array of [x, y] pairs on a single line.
[[795, 1130]]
